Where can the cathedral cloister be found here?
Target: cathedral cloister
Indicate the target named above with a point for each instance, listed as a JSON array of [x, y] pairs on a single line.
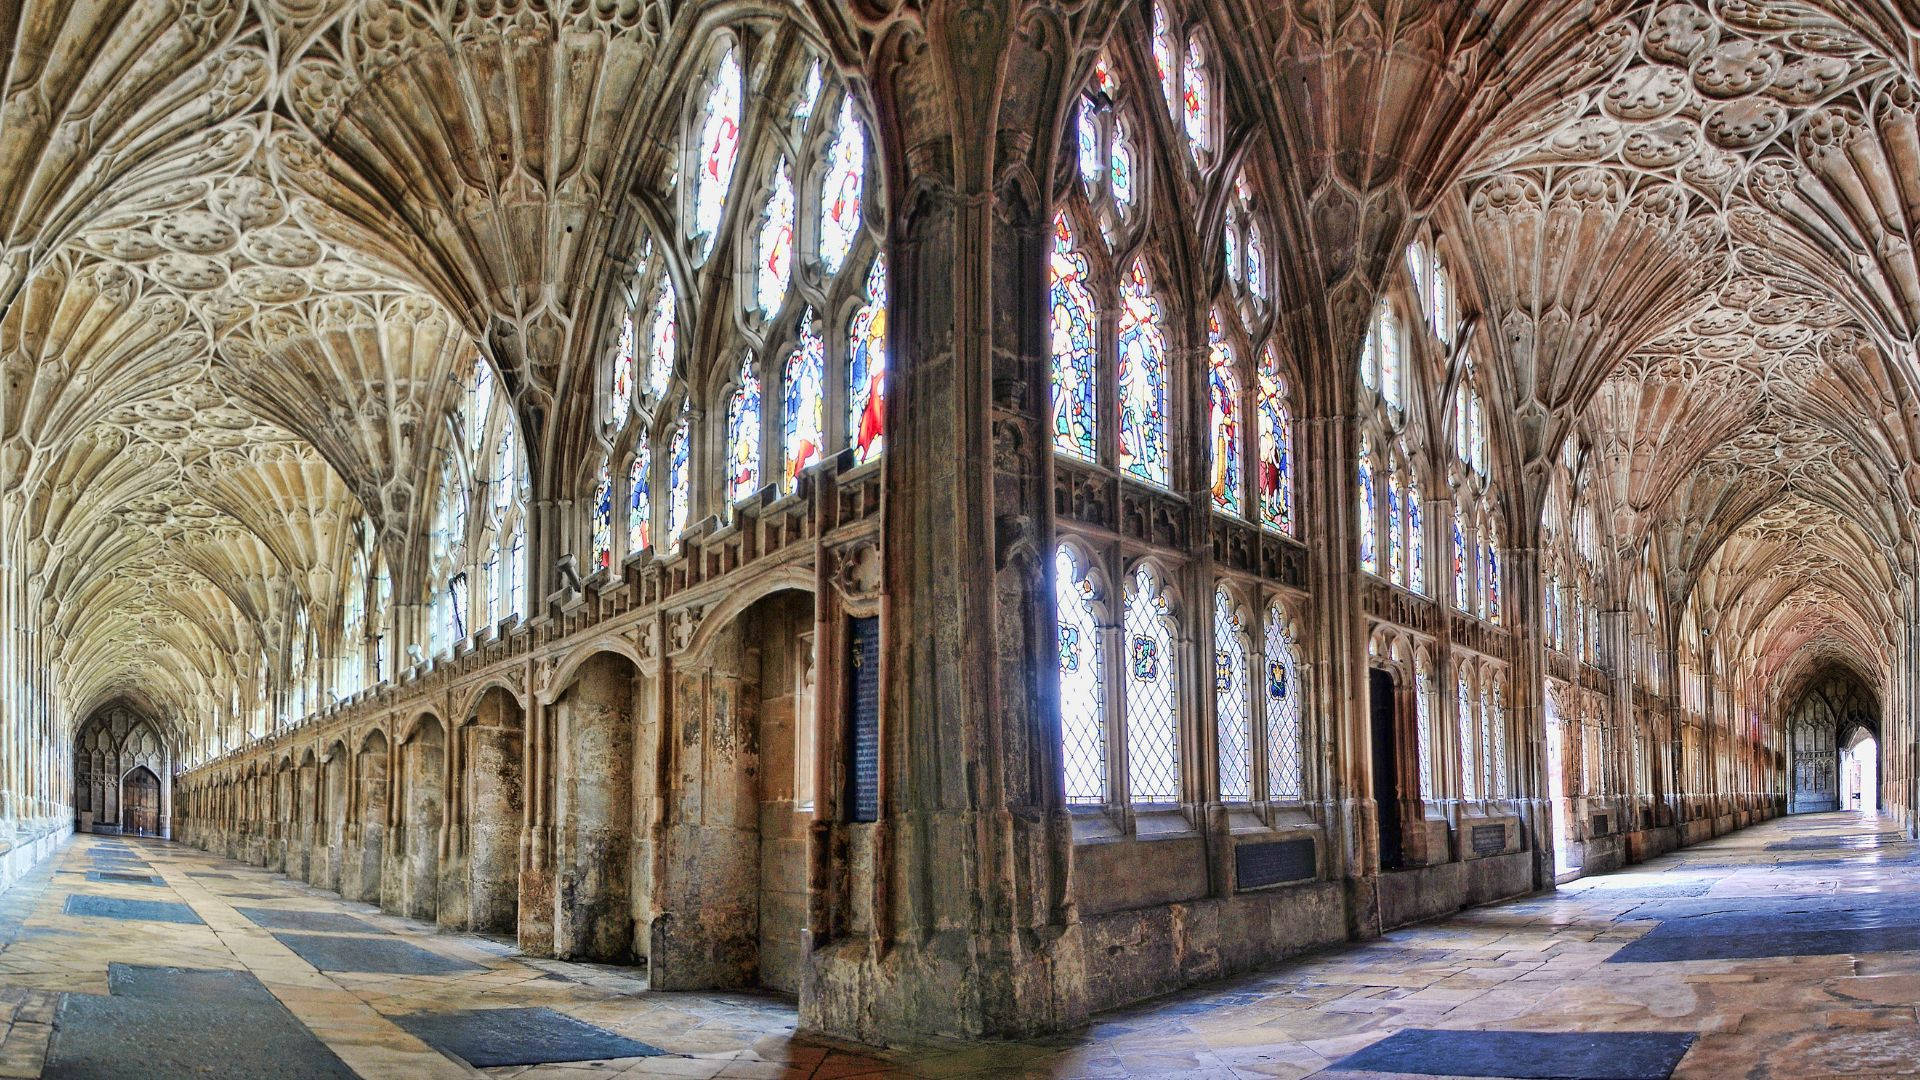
[[830, 538]]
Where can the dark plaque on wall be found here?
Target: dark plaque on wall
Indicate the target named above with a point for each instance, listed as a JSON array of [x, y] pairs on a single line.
[[863, 719], [1273, 862], [1600, 824], [1489, 839]]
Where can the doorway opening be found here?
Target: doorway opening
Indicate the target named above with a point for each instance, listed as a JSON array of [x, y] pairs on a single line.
[[1563, 864], [1386, 766], [140, 802], [1860, 772]]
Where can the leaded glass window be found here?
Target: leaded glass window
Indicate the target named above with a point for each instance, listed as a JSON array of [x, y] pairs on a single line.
[[716, 149], [1283, 709], [1369, 543], [1423, 714], [602, 519], [1276, 446], [640, 498], [806, 403], [1142, 381], [1083, 727], [773, 269], [1153, 748], [1232, 699], [1464, 718], [679, 483], [1224, 421], [1196, 101], [867, 368], [840, 195], [1074, 425], [743, 435]]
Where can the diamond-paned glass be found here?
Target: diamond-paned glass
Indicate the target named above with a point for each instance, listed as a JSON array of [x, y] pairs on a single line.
[[1283, 709], [1233, 707], [1153, 745], [1083, 728]]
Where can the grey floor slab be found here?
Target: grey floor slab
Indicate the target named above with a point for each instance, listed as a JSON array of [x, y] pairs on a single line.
[[123, 877], [114, 907], [1535, 1055], [279, 919], [489, 1038], [382, 955], [161, 1023]]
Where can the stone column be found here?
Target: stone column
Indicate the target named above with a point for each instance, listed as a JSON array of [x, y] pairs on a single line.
[[492, 813], [593, 810], [1526, 699]]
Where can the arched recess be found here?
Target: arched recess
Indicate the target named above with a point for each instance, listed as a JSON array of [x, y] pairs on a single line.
[[731, 902], [492, 797], [1834, 704], [280, 823], [593, 783], [367, 830], [140, 802], [410, 881], [303, 832], [333, 815], [114, 741]]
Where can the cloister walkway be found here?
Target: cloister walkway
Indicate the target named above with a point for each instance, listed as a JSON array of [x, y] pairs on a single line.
[[1791, 949]]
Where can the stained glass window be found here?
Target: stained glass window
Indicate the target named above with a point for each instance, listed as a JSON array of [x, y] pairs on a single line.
[[1493, 582], [1276, 446], [679, 483], [504, 472], [1283, 702], [1465, 719], [1163, 57], [1461, 598], [1387, 344], [602, 520], [640, 498], [743, 435], [1396, 536], [1416, 541], [1442, 302], [663, 336], [840, 195], [1083, 726], [1233, 707], [1497, 720], [517, 571], [1087, 128], [1143, 380], [1477, 435], [867, 368], [1196, 106], [1487, 771], [1224, 392], [1369, 546], [479, 404], [808, 95], [718, 148], [491, 582], [775, 267], [1120, 178], [620, 400], [806, 402], [1423, 712], [1074, 425], [1153, 748]]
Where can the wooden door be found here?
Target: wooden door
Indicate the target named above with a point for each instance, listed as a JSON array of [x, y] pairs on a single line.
[[140, 802]]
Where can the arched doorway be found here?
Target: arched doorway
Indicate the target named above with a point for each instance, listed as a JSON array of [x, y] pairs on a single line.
[[140, 802], [1859, 771], [1835, 706]]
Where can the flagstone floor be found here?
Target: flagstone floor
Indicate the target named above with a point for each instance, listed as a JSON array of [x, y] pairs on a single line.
[[1791, 949]]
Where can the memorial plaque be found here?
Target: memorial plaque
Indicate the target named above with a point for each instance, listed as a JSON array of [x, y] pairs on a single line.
[[1489, 839], [863, 719], [1271, 863]]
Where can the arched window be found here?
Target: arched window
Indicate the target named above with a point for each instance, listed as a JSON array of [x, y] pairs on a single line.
[[1276, 447], [679, 482], [867, 368], [1224, 422], [1390, 499], [1423, 715], [805, 403], [716, 147], [743, 435], [773, 268], [1142, 380], [1477, 527], [1074, 426], [353, 626], [1232, 698], [840, 220], [1153, 746], [1082, 684], [1196, 101], [640, 497], [1285, 748], [1465, 721], [1396, 535], [602, 539], [382, 616], [1369, 525]]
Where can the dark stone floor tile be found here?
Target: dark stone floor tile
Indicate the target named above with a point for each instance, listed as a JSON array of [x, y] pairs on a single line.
[[277, 919], [488, 1038], [178, 1022], [113, 907], [1549, 1055], [378, 955], [123, 877]]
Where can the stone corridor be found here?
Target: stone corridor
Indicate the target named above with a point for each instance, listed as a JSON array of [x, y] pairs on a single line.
[[1791, 949]]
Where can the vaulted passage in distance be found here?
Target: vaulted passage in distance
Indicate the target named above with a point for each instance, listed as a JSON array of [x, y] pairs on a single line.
[[964, 516]]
